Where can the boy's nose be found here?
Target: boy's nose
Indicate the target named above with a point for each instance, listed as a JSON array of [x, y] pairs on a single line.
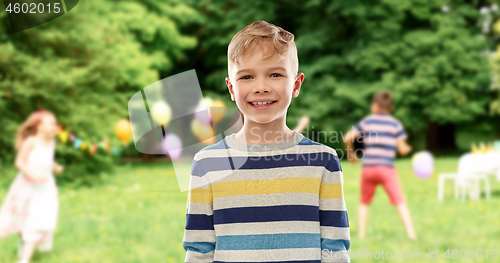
[[261, 87]]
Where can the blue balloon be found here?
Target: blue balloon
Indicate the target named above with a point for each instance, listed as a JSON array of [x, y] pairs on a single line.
[[78, 143], [116, 151]]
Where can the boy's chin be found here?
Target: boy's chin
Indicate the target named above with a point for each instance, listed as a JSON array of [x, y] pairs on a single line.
[[263, 119]]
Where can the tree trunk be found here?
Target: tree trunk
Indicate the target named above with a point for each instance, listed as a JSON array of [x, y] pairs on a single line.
[[440, 138]]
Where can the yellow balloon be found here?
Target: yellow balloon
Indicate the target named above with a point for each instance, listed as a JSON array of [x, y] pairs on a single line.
[[217, 109], [203, 132], [84, 146], [161, 113], [206, 102], [63, 135], [123, 130]]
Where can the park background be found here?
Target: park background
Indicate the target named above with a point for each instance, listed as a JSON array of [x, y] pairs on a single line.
[[438, 58]]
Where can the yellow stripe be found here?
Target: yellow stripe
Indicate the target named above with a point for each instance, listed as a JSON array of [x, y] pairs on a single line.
[[330, 191], [200, 195], [271, 186]]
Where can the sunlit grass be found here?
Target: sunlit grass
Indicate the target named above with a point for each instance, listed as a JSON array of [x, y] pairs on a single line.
[[138, 215]]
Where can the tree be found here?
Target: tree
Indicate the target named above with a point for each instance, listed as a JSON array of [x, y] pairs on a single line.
[[84, 66], [426, 53]]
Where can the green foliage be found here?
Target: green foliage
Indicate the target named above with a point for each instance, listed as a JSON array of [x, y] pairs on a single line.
[[84, 66], [495, 66], [428, 58]]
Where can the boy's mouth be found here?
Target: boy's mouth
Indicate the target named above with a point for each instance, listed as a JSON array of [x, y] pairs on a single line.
[[262, 103]]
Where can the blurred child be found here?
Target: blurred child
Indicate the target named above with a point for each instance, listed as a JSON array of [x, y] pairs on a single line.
[[383, 135], [31, 206]]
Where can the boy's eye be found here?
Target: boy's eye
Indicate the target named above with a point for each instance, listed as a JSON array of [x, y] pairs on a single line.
[[246, 77], [276, 75]]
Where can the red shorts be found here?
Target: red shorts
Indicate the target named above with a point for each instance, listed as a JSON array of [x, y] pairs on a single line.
[[371, 176]]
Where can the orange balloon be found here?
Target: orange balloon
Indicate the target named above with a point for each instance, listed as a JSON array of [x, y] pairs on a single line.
[[203, 132], [123, 130], [59, 128], [218, 109], [93, 149]]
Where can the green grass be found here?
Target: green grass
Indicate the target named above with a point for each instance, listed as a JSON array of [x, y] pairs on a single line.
[[138, 215]]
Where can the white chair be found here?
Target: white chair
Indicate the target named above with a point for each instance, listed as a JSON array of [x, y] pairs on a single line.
[[441, 183], [471, 185]]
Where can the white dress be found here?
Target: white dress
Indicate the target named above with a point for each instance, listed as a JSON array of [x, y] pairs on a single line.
[[31, 208]]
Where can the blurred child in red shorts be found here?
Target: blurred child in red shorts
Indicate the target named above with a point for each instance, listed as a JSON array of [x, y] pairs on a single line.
[[383, 135]]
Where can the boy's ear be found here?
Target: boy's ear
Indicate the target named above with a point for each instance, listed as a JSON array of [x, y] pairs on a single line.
[[230, 88], [297, 84]]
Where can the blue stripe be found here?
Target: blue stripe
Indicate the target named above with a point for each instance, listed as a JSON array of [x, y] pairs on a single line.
[[358, 127], [380, 146], [211, 164], [377, 134], [375, 156], [335, 244], [266, 214], [200, 247], [400, 133], [307, 141], [333, 218], [379, 164], [269, 241], [221, 145], [375, 121], [281, 261], [199, 222]]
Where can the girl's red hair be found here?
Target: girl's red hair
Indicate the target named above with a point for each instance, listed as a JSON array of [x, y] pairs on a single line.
[[30, 126]]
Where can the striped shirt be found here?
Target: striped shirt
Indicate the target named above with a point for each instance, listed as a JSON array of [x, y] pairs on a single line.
[[278, 202], [380, 133]]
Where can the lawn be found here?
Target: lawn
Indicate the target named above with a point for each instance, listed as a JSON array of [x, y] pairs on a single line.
[[138, 215]]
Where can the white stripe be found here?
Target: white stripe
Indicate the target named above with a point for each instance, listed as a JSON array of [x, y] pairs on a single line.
[[195, 257], [266, 200], [332, 204], [268, 255], [273, 173], [199, 208], [297, 149], [332, 232], [199, 236], [281, 227]]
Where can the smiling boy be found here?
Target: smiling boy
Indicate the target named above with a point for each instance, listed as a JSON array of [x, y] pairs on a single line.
[[265, 193]]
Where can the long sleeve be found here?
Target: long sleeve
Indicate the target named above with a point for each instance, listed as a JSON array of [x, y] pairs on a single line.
[[334, 222], [199, 234]]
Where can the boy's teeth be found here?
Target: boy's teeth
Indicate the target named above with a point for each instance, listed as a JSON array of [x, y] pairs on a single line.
[[261, 103]]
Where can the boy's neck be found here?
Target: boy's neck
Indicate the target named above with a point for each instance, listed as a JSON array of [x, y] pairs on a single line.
[[257, 133]]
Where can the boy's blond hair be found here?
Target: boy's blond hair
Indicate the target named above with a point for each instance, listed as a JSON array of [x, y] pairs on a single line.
[[273, 39]]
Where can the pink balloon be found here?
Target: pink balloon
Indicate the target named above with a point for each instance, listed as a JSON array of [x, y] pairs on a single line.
[[71, 137], [424, 165], [202, 114], [173, 145]]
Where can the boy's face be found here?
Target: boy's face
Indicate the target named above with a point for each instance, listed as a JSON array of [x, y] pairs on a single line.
[[263, 89]]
